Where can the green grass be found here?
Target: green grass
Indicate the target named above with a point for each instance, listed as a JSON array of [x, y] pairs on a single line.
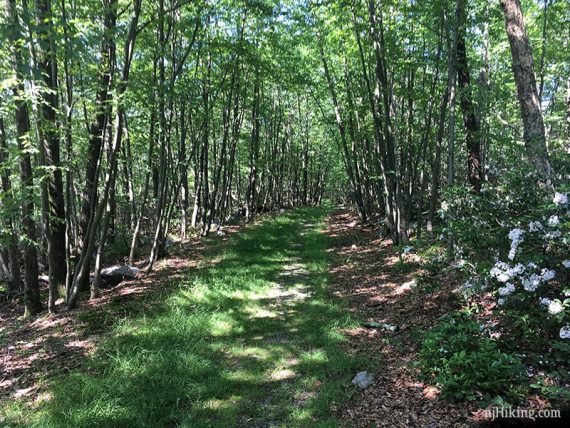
[[218, 352]]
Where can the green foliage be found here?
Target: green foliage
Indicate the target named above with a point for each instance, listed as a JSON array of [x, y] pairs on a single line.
[[487, 217], [467, 365]]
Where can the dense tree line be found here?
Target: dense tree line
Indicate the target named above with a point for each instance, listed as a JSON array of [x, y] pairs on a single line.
[[401, 74], [126, 120]]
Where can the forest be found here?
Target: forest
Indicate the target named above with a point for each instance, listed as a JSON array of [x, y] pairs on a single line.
[[275, 213]]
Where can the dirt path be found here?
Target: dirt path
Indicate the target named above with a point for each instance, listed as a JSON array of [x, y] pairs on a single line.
[[283, 302], [368, 274]]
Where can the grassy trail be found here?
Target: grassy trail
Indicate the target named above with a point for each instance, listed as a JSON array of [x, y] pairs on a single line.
[[251, 341]]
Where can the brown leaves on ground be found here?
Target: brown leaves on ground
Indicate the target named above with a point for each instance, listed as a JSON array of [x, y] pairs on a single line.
[[368, 275], [35, 349]]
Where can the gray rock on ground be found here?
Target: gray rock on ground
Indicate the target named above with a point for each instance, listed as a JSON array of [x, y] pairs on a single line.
[[127, 272], [383, 325], [363, 379], [114, 275]]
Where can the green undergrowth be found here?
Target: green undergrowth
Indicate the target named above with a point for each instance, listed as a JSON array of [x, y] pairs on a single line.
[[467, 365], [221, 350]]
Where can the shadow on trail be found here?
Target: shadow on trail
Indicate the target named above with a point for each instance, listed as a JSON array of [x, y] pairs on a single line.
[[251, 341]]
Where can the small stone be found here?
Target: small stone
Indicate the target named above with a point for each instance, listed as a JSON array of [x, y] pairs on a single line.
[[354, 247], [409, 285], [363, 379], [383, 325]]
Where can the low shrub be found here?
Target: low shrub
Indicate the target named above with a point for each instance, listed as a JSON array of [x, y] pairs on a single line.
[[466, 365]]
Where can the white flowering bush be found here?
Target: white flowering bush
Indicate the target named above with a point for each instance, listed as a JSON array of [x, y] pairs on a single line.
[[510, 250], [511, 245], [536, 269]]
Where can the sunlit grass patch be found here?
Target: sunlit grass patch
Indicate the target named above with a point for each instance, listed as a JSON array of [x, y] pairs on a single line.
[[317, 356], [237, 344]]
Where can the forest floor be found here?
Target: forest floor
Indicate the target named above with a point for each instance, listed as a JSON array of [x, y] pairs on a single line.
[[376, 282], [261, 327]]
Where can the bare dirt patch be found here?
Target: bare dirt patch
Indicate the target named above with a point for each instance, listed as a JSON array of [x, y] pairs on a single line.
[[366, 274]]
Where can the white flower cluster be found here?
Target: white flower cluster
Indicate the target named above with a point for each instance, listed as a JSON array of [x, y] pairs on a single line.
[[547, 275], [516, 237], [503, 272], [553, 221], [553, 234], [512, 275], [532, 282], [507, 290], [534, 226], [443, 209], [560, 199], [555, 307]]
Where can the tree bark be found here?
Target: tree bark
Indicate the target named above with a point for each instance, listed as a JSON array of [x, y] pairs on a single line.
[[470, 120], [15, 277], [55, 209], [525, 79], [32, 300], [383, 97], [82, 271], [251, 194], [356, 193]]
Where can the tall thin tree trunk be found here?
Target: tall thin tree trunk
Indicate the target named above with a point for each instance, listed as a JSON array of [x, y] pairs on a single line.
[[383, 95], [70, 219], [523, 70], [205, 145], [355, 186], [55, 209], [15, 277], [157, 249], [82, 270], [543, 48], [470, 120], [251, 194], [452, 72], [97, 127], [32, 301]]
